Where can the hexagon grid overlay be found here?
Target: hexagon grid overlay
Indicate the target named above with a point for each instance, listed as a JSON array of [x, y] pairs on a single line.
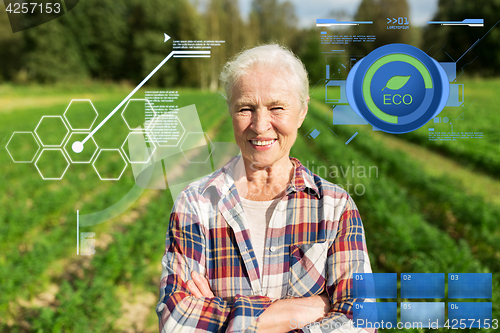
[[138, 148], [197, 147], [22, 147], [50, 129], [87, 154], [52, 164], [112, 172], [81, 114], [135, 112]]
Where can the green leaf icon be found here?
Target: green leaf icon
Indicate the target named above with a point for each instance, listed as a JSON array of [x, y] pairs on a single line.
[[396, 82]]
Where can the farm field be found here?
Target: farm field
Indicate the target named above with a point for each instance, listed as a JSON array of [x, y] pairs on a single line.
[[477, 115], [427, 207]]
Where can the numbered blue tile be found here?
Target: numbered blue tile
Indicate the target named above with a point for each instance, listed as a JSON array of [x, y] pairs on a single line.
[[375, 315], [422, 314], [375, 285], [422, 285], [470, 314], [470, 285]]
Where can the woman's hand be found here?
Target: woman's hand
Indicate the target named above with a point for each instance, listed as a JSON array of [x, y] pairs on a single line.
[[286, 314], [199, 286], [311, 309], [282, 315]]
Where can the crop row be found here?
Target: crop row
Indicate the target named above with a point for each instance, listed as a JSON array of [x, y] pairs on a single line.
[[131, 259], [35, 239], [441, 201], [478, 114], [400, 237], [482, 156]]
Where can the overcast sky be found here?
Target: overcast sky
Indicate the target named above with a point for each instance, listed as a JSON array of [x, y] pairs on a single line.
[[308, 11]]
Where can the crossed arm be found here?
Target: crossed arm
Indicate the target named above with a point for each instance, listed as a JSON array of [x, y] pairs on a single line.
[[187, 302], [188, 305], [278, 316]]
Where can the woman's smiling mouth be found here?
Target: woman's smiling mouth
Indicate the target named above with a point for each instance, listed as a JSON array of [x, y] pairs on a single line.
[[263, 144]]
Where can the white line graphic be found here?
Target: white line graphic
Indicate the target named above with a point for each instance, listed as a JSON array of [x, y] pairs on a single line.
[[78, 146]]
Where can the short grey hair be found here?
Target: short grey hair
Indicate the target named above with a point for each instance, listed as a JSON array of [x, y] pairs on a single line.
[[275, 57]]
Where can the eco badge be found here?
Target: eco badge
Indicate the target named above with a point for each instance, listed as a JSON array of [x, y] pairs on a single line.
[[397, 88]]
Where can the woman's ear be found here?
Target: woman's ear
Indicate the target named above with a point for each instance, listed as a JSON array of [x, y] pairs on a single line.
[[303, 112]]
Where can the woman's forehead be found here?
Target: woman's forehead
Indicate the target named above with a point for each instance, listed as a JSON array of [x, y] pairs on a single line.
[[260, 84]]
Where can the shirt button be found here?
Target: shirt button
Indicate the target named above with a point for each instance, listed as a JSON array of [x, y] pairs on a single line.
[[272, 248]]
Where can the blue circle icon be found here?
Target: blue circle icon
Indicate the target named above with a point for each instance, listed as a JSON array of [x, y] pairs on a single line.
[[397, 88]]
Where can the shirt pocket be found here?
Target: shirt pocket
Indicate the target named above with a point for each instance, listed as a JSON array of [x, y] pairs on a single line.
[[307, 274]]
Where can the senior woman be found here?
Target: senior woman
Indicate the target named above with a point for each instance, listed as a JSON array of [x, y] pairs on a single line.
[[263, 244]]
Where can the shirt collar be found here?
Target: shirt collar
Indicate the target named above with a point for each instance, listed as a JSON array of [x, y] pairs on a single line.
[[302, 181]]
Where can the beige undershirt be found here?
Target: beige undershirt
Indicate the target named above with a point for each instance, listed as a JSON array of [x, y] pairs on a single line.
[[258, 214]]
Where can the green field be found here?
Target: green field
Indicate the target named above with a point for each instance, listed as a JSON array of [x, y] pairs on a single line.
[[427, 207]]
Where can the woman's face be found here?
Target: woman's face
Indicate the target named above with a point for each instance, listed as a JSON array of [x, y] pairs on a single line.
[[266, 114]]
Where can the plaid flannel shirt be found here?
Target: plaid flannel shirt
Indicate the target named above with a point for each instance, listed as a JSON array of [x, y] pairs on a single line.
[[314, 243]]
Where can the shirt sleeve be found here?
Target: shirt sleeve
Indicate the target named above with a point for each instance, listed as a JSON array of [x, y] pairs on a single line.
[[177, 309], [346, 256]]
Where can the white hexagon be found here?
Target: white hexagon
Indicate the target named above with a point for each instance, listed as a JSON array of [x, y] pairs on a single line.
[[124, 161], [149, 125], [150, 149], [197, 146], [34, 155], [40, 172], [71, 151], [65, 136], [156, 132], [93, 107]]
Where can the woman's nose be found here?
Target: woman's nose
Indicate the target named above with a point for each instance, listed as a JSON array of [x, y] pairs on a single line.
[[261, 121]]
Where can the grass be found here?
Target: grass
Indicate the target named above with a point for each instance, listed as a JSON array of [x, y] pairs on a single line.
[[418, 216], [479, 115]]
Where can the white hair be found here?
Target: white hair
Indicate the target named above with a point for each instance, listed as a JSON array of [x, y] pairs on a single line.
[[273, 57]]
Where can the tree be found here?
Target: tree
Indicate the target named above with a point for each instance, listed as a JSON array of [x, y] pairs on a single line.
[[99, 29], [148, 21], [223, 22], [379, 11], [114, 40], [52, 54], [307, 46], [11, 50], [271, 21], [456, 40]]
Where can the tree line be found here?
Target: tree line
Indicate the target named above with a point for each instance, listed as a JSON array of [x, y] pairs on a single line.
[[121, 40]]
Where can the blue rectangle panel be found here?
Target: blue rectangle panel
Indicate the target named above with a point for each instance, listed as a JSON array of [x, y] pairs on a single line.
[[375, 285], [345, 115], [472, 314], [375, 314], [422, 314], [470, 285], [422, 285]]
